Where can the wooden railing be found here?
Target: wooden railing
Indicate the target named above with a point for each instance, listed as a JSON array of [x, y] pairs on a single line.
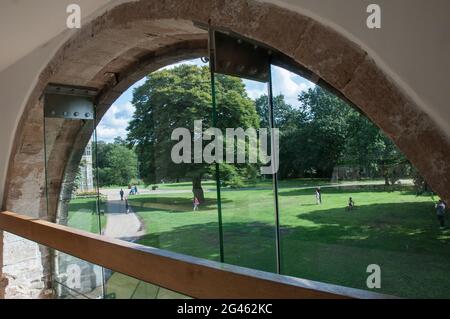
[[194, 277]]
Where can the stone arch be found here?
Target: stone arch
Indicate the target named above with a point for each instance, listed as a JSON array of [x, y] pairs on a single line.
[[119, 47]]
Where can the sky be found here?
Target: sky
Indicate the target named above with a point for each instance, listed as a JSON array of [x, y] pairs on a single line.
[[115, 121]]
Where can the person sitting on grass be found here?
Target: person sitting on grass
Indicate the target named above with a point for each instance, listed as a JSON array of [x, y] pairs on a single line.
[[351, 204]]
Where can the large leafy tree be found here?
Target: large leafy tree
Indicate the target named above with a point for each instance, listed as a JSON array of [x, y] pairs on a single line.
[[175, 98], [339, 134], [368, 146], [290, 122], [117, 164], [324, 132]]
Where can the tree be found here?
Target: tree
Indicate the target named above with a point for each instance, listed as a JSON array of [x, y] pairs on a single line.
[[175, 98], [368, 146], [290, 122], [117, 164], [324, 132], [340, 134]]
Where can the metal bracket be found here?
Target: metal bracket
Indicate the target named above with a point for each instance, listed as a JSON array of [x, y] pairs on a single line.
[[237, 57], [69, 102]]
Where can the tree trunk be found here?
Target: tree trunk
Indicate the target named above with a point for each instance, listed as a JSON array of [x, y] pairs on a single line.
[[386, 180], [197, 189], [385, 173]]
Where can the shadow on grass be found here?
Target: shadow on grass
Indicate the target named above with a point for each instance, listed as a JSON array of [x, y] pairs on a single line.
[[332, 245], [250, 245]]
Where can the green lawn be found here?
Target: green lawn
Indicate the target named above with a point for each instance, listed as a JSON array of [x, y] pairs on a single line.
[[209, 184], [394, 229], [81, 215]]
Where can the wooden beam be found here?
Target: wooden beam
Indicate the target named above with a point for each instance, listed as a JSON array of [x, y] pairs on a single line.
[[194, 277]]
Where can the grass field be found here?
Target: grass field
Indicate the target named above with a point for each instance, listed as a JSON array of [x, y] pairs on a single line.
[[82, 215], [395, 229], [209, 184]]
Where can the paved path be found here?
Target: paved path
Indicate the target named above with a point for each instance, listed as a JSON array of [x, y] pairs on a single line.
[[119, 224]]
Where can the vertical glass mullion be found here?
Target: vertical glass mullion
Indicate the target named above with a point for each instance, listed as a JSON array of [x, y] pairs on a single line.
[[94, 152], [274, 173], [214, 124]]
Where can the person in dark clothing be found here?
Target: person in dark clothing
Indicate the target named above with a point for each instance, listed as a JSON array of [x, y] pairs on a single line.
[[351, 204], [440, 213], [121, 194], [127, 206]]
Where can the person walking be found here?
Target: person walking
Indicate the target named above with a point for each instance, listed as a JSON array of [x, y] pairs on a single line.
[[127, 206], [121, 194], [318, 196], [196, 202], [440, 213]]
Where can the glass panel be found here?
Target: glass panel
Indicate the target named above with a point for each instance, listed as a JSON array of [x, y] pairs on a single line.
[[74, 202], [368, 211], [73, 199], [75, 278], [135, 160], [79, 279], [247, 197], [120, 286]]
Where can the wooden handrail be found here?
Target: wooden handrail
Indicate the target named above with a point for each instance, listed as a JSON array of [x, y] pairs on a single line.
[[194, 277]]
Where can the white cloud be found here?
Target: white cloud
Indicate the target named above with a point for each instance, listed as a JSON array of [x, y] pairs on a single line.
[[284, 82], [197, 62], [115, 122], [289, 84], [255, 93]]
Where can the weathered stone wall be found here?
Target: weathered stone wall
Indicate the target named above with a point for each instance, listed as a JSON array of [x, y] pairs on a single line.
[[126, 43]]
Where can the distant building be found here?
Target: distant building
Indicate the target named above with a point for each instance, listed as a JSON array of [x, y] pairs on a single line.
[[86, 180]]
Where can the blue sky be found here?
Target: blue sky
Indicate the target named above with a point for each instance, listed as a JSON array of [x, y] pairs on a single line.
[[115, 121]]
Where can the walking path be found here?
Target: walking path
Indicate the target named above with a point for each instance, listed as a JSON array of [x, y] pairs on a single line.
[[119, 224]]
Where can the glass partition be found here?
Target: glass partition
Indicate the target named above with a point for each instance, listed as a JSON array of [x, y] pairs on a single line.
[[247, 196], [158, 191], [71, 178], [353, 210], [79, 279], [182, 171]]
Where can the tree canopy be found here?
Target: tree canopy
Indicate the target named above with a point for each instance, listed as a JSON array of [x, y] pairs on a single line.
[[316, 136], [117, 164], [175, 98], [323, 132]]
